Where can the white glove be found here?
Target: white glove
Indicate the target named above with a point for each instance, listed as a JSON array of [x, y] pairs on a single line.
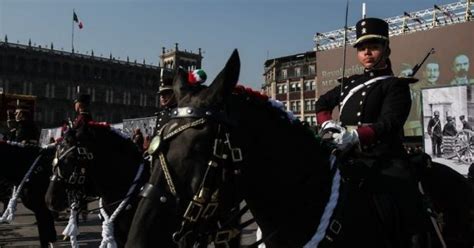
[[345, 138], [330, 126]]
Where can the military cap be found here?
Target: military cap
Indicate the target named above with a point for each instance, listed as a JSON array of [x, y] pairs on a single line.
[[166, 84], [21, 106], [371, 29], [83, 98]]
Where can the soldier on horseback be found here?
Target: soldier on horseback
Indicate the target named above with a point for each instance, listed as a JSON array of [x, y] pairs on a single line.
[[83, 116], [82, 109], [167, 101], [373, 108], [23, 128], [167, 97]]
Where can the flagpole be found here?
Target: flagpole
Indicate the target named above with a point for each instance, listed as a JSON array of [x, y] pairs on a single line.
[[72, 40]]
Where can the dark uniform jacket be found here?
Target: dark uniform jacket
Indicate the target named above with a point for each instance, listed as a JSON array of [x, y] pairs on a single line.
[[465, 125], [434, 127], [25, 130], [377, 111], [449, 129]]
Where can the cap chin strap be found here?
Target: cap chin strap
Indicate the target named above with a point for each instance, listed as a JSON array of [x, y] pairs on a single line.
[[383, 57]]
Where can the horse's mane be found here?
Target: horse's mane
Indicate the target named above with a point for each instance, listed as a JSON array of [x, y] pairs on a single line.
[[275, 110], [102, 134], [106, 126]]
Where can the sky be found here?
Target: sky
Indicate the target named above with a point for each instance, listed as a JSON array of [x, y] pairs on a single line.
[[259, 29]]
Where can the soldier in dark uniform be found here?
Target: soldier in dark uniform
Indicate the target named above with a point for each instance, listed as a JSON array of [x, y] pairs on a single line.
[[23, 128], [434, 131], [449, 128], [465, 123], [82, 108], [167, 102], [83, 116], [373, 109]]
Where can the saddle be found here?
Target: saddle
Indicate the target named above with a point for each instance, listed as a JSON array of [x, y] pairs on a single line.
[[389, 189]]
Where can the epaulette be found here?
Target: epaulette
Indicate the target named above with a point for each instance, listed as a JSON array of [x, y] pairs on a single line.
[[340, 79], [99, 124], [408, 80]]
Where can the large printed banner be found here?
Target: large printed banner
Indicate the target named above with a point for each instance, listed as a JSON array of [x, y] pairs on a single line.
[[451, 64], [448, 116]]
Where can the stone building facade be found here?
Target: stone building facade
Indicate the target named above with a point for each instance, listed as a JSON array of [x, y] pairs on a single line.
[[119, 89], [292, 80]]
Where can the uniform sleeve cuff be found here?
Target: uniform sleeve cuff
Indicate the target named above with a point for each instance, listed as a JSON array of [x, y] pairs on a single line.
[[366, 135], [323, 116]]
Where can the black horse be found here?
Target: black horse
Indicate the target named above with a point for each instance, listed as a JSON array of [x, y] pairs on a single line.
[[16, 160], [95, 160], [281, 170]]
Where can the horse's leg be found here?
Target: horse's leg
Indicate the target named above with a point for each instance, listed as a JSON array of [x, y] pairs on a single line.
[[45, 223], [33, 197], [144, 229]]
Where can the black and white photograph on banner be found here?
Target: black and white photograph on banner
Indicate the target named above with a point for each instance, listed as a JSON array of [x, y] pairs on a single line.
[[448, 116]]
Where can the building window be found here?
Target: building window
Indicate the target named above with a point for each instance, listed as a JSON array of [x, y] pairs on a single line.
[[109, 96], [280, 89], [284, 74], [297, 72], [311, 120], [71, 92], [309, 85], [50, 91], [296, 86], [142, 100], [25, 88], [312, 69], [295, 106], [126, 98], [309, 105]]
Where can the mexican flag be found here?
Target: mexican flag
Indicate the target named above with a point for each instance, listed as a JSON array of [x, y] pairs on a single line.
[[76, 20]]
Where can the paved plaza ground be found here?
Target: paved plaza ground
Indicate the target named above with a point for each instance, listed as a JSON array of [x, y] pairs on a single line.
[[23, 231]]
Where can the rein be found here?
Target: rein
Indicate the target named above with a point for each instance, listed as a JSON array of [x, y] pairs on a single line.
[[108, 239], [9, 214], [76, 195], [205, 202]]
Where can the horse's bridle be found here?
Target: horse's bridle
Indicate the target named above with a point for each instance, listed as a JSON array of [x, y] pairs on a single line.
[[75, 184], [205, 201]]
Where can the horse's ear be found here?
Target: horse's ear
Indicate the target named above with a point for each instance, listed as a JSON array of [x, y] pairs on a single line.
[[180, 83], [225, 82]]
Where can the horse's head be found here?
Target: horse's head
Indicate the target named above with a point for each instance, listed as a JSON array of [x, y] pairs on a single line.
[[92, 160], [193, 158], [222, 144], [70, 168]]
